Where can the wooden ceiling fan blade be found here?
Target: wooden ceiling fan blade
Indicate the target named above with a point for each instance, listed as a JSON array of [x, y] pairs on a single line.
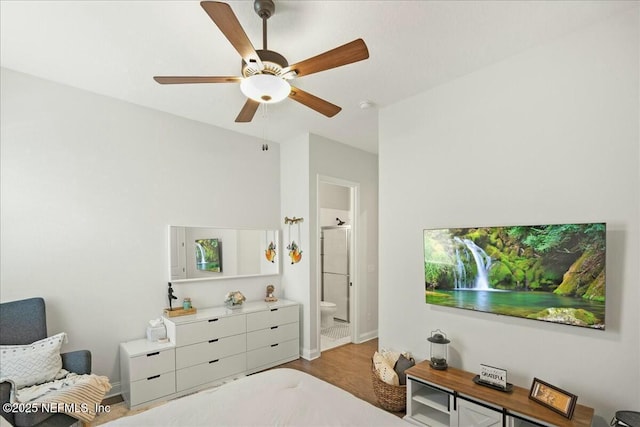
[[248, 111], [342, 55], [169, 80], [313, 102], [222, 15]]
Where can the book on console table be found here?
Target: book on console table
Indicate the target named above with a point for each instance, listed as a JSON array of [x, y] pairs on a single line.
[[516, 402]]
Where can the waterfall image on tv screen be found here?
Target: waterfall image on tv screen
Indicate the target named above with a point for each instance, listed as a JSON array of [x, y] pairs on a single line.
[[553, 273]]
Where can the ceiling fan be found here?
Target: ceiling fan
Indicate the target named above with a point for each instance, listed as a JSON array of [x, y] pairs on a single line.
[[265, 73]]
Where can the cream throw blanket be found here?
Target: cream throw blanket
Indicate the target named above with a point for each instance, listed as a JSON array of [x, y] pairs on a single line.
[[76, 395]]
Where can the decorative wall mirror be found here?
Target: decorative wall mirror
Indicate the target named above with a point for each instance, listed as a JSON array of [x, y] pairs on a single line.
[[206, 253]]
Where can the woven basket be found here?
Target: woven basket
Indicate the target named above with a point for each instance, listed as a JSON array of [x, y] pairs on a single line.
[[391, 397]]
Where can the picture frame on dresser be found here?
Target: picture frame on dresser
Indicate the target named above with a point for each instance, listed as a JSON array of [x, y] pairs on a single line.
[[553, 397]]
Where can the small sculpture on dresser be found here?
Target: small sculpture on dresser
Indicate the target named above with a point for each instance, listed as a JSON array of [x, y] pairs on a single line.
[[171, 296], [234, 299], [270, 297]]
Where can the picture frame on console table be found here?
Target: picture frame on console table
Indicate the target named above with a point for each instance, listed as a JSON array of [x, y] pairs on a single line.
[[553, 397]]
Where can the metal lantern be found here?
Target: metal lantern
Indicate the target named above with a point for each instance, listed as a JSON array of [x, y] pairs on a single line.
[[439, 342]]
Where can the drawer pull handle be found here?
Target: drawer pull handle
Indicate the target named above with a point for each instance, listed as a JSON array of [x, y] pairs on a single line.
[[216, 340], [213, 320], [153, 354], [274, 309], [153, 377], [274, 345], [214, 361], [274, 327]]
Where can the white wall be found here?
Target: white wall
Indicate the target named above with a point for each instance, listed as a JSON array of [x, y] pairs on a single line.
[[294, 163], [548, 136], [334, 197], [332, 160], [89, 186], [303, 160]]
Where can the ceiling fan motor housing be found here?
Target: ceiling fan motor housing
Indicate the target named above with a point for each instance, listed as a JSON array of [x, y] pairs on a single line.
[[273, 63]]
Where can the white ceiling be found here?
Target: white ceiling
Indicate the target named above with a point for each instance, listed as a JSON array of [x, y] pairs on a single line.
[[115, 47]]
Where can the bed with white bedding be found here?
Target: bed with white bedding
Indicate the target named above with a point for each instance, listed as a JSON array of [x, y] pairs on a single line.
[[278, 397]]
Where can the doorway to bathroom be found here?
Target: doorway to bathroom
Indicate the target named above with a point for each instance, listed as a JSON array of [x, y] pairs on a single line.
[[336, 203]]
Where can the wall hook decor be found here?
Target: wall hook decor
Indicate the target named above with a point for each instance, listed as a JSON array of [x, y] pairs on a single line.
[[293, 220], [295, 251]]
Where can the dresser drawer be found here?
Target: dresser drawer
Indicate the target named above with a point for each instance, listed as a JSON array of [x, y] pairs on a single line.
[[272, 335], [150, 364], [218, 327], [210, 372], [207, 351], [273, 353], [272, 317], [154, 387]]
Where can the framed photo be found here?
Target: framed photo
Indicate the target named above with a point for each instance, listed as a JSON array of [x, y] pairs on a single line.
[[553, 398]]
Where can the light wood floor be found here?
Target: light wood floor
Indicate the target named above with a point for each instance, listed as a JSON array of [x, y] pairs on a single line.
[[347, 367]]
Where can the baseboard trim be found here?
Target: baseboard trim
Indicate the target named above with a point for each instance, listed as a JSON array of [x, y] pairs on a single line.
[[116, 389], [367, 337], [309, 354]]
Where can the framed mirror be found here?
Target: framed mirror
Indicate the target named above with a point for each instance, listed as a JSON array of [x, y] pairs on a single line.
[[207, 253]]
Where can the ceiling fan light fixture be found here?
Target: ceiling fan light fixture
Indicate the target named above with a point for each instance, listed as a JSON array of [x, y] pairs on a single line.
[[265, 88]]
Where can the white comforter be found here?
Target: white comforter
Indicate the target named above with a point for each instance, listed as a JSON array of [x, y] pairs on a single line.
[[279, 397]]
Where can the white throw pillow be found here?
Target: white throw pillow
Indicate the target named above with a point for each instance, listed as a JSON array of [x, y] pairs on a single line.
[[31, 364], [385, 370]]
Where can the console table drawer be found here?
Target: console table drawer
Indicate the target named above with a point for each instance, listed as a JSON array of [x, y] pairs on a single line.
[[273, 353], [191, 333], [150, 364], [210, 350], [272, 317], [194, 376], [151, 388], [273, 335]]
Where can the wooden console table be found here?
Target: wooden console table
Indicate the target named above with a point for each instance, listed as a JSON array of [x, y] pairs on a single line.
[[451, 398]]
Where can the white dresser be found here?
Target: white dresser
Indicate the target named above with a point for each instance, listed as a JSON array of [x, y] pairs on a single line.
[[209, 347], [147, 371], [272, 337]]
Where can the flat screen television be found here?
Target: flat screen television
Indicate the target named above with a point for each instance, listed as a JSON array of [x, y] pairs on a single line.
[[553, 273], [208, 255]]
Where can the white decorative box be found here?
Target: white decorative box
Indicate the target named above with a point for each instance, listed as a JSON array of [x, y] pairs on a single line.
[[154, 333]]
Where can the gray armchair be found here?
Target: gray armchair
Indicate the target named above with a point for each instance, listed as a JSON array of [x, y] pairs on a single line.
[[23, 322]]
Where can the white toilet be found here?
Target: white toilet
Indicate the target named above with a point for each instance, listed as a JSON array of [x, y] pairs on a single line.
[[327, 310]]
